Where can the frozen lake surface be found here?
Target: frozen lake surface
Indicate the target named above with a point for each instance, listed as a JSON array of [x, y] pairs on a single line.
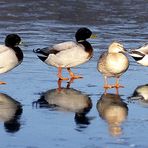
[[33, 114]]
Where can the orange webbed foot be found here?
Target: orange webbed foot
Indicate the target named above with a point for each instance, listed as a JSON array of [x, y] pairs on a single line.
[[107, 86], [76, 77], [60, 74], [62, 78], [72, 75], [117, 86]]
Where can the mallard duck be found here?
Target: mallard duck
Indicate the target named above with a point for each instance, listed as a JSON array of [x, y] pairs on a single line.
[[140, 94], [68, 54], [140, 55], [10, 54], [113, 63]]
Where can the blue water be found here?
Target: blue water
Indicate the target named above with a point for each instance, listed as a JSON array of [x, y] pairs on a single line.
[[44, 23]]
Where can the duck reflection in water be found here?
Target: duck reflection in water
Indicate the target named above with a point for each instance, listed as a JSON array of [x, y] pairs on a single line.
[[10, 112], [67, 99], [140, 94], [114, 111]]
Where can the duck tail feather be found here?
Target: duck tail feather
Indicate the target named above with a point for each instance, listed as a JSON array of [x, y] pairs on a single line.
[[37, 50], [42, 55]]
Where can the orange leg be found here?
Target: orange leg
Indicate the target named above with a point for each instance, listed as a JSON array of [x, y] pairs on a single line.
[[1, 82], [59, 89], [72, 75], [117, 91], [60, 74], [106, 85], [117, 85]]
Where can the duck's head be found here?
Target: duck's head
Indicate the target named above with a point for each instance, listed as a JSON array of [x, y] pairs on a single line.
[[82, 34], [12, 40], [116, 47]]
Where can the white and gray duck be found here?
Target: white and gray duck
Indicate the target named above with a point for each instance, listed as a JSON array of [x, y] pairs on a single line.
[[113, 63], [10, 54], [68, 54]]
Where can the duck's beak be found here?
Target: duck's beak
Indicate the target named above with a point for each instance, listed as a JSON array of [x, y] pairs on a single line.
[[124, 51], [24, 44], [21, 43], [93, 36]]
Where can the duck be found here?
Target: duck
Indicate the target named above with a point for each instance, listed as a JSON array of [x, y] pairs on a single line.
[[140, 55], [140, 94], [68, 54], [113, 63], [10, 54]]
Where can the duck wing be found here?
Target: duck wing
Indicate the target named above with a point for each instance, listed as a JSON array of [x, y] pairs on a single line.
[[45, 52], [64, 45], [56, 48], [136, 53], [102, 62], [144, 49], [140, 52]]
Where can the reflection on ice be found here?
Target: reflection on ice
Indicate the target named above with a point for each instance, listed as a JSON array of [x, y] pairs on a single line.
[[10, 111], [114, 111], [67, 99]]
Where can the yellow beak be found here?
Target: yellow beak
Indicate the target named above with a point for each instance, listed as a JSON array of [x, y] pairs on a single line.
[[93, 36], [21, 43]]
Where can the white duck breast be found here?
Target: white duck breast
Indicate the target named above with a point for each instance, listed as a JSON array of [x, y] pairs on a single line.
[[8, 59], [116, 63], [71, 54]]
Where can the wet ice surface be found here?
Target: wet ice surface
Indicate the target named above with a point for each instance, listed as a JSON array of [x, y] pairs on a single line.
[[28, 119]]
